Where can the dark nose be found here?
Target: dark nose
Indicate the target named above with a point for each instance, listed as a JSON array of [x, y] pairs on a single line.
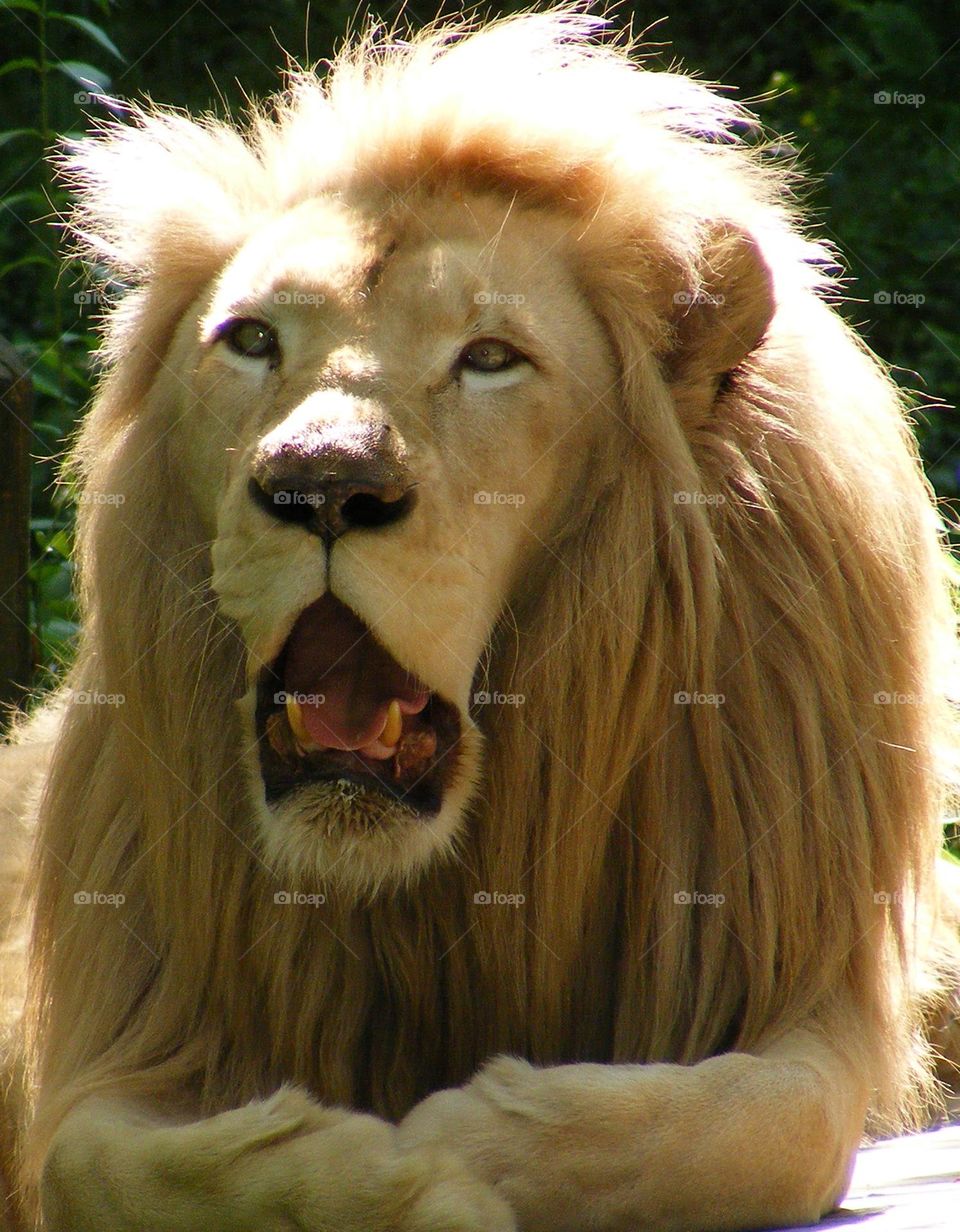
[[331, 479]]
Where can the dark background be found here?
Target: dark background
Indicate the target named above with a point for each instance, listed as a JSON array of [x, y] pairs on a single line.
[[883, 175]]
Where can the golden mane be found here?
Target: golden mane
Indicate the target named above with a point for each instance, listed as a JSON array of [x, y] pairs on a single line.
[[798, 576]]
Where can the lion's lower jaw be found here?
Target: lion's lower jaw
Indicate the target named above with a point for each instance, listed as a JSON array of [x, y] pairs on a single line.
[[357, 841]]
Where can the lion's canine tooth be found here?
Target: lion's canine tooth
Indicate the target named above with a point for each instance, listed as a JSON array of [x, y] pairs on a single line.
[[295, 719], [393, 728], [280, 736]]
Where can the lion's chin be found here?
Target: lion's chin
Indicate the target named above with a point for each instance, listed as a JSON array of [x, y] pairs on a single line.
[[353, 839]]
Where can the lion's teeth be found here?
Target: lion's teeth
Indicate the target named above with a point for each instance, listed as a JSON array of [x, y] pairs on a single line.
[[280, 736], [393, 728], [297, 726]]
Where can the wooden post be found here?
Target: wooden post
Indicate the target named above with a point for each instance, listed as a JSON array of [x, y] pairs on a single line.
[[16, 417]]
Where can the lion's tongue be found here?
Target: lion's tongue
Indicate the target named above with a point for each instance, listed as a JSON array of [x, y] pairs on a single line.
[[343, 678]]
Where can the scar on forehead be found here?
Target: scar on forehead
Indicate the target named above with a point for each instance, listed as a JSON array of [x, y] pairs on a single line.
[[374, 271]]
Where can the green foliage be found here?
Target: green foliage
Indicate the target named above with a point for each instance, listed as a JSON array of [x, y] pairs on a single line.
[[867, 91], [46, 319]]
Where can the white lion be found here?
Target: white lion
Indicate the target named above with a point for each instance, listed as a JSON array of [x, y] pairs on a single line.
[[501, 760]]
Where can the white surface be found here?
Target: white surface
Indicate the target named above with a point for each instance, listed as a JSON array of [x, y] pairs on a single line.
[[905, 1185]]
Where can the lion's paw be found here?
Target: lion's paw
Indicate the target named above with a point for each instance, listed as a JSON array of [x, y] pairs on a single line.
[[481, 1120], [357, 1175], [283, 1162], [455, 1201], [219, 1142]]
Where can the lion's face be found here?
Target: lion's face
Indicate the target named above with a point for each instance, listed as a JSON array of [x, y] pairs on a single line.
[[388, 413]]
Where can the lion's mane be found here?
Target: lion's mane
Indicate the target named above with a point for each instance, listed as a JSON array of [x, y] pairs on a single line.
[[806, 587]]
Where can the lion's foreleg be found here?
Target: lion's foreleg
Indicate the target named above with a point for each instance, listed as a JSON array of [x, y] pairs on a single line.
[[281, 1163], [735, 1141]]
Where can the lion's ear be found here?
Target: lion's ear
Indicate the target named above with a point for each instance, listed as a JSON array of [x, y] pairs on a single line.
[[719, 319]]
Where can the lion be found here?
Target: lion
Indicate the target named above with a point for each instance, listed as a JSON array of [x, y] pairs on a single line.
[[500, 780]]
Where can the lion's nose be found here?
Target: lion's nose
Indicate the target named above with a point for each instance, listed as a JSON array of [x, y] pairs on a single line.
[[331, 481]]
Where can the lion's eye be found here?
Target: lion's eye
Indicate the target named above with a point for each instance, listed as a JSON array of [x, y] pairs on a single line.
[[252, 338], [488, 355]]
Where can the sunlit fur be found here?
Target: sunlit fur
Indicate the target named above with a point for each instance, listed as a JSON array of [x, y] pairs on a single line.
[[814, 584]]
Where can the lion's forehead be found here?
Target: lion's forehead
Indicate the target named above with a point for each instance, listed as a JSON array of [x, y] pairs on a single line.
[[360, 256], [319, 246]]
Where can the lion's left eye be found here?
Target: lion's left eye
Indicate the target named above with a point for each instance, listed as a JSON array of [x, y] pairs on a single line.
[[252, 338], [489, 355]]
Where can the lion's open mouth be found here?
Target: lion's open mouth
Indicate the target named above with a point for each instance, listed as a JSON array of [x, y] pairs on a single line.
[[335, 705]]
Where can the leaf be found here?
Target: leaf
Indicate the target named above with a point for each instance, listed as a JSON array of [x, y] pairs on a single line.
[[12, 134], [86, 75], [59, 630], [29, 194], [28, 6], [11, 66], [35, 258], [59, 542], [92, 30], [56, 591], [901, 38], [43, 384]]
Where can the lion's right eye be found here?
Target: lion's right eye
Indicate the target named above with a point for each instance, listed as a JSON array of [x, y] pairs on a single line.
[[489, 355], [252, 338]]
